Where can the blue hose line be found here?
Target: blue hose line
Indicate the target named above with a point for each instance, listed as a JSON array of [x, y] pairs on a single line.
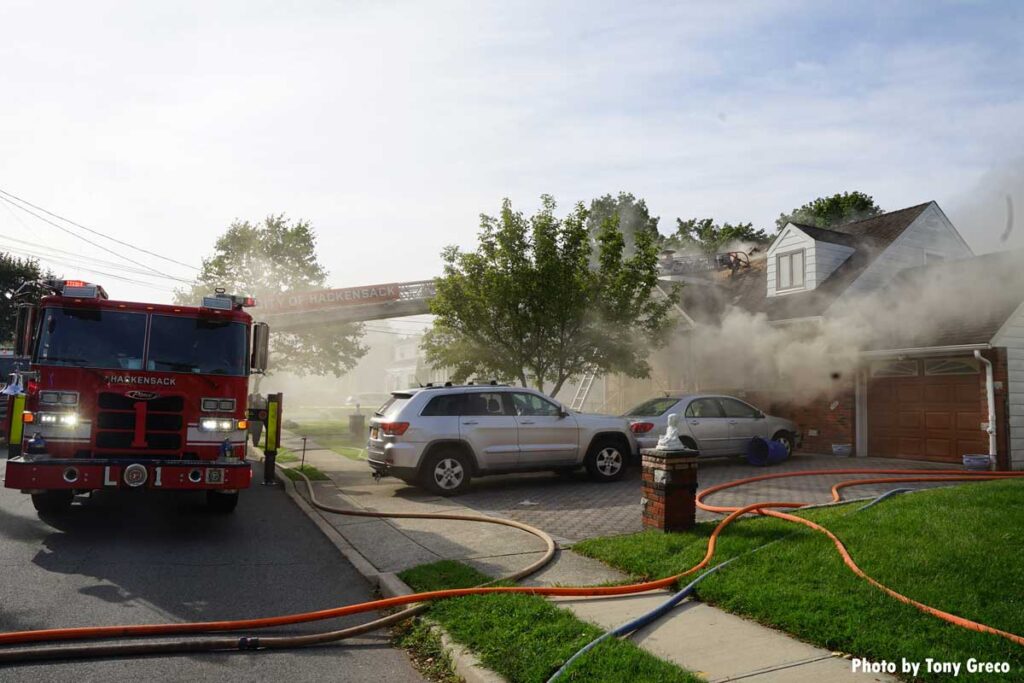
[[887, 494], [668, 605], [642, 620]]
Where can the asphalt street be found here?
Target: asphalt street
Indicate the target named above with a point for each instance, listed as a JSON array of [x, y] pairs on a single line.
[[127, 558]]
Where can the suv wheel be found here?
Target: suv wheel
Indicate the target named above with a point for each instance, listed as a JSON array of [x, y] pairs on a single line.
[[606, 460], [447, 473]]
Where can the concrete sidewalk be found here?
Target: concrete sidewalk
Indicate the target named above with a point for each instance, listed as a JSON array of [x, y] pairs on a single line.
[[718, 645]]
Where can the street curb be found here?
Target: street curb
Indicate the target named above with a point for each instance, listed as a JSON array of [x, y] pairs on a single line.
[[465, 663], [348, 551]]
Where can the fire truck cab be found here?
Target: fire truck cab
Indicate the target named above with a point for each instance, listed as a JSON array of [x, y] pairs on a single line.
[[124, 395]]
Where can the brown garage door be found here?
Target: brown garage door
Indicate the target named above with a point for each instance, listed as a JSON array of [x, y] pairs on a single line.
[[927, 409]]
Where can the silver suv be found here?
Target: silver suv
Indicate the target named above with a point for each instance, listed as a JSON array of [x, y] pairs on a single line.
[[441, 437]]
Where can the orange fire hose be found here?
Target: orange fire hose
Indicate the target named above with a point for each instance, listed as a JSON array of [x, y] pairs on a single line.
[[733, 513]]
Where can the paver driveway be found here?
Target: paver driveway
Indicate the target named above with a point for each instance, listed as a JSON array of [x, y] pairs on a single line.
[[577, 508]]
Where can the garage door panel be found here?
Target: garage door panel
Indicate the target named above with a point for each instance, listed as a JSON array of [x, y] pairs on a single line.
[[938, 420], [908, 392], [911, 419], [936, 393], [935, 417], [968, 393], [968, 420], [911, 446], [883, 419]]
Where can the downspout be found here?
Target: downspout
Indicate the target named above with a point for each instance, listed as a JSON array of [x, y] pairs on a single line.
[[990, 396]]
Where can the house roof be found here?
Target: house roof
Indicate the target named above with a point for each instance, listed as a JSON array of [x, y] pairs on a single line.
[[748, 288], [833, 236], [952, 303]]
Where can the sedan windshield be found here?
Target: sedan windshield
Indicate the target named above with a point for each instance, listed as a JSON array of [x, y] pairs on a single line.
[[197, 345], [91, 338], [653, 408]]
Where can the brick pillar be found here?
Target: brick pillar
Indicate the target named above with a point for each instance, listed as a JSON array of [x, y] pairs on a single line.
[[669, 489]]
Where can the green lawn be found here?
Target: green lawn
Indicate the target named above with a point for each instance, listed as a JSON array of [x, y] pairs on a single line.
[[958, 549], [311, 472], [525, 638], [285, 455], [333, 434]]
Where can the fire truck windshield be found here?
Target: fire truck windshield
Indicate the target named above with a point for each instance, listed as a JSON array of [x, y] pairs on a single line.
[[92, 338], [197, 345]]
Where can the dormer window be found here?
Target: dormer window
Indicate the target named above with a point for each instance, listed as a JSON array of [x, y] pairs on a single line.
[[789, 269]]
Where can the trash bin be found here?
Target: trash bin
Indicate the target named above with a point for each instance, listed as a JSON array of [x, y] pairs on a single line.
[[761, 452], [357, 424]]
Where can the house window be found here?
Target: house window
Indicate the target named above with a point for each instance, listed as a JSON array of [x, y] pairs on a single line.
[[895, 368], [789, 270], [952, 366]]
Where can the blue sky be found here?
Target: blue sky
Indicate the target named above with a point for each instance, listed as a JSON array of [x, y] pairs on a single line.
[[392, 125]]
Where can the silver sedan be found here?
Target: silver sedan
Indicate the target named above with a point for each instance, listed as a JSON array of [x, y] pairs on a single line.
[[710, 423]]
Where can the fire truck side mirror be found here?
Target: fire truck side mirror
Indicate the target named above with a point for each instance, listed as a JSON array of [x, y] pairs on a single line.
[[23, 329], [260, 346]]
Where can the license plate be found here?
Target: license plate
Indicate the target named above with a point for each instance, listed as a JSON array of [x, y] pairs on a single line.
[[373, 432]]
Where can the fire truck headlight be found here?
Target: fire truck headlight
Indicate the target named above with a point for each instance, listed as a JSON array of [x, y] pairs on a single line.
[[47, 419], [208, 424], [225, 425], [69, 419]]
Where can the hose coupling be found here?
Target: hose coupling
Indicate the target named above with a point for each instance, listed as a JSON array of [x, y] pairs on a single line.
[[249, 643]]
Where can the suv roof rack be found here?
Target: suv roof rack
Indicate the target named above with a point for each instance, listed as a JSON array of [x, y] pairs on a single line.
[[450, 385]]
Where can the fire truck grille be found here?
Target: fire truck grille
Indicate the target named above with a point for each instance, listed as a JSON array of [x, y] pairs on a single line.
[[115, 423]]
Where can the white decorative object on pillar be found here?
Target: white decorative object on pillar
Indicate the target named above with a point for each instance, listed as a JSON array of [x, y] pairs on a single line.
[[670, 439]]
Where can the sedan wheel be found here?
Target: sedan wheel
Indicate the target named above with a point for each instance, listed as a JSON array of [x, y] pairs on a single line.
[[786, 440]]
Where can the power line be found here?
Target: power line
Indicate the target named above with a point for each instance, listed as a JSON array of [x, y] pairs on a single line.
[[87, 240], [36, 250], [51, 260], [97, 232]]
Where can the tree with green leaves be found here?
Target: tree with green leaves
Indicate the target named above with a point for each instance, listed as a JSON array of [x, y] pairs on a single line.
[[13, 273], [529, 306], [710, 238], [271, 257], [827, 212], [633, 217]]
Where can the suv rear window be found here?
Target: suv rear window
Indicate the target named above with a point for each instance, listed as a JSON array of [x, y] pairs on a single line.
[[653, 408], [393, 405], [445, 405]]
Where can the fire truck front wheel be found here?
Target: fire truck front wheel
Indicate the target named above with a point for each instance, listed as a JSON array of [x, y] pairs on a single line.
[[220, 502], [53, 502]]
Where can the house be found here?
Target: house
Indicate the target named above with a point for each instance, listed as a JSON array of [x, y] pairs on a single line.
[[925, 340]]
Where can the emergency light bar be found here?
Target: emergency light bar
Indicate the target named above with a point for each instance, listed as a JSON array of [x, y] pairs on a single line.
[[227, 302], [78, 289]]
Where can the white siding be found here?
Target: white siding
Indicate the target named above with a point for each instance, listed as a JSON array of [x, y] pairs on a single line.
[[827, 257], [1012, 337], [931, 232], [791, 239]]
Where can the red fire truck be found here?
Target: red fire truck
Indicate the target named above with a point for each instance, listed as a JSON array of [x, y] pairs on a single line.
[[124, 395]]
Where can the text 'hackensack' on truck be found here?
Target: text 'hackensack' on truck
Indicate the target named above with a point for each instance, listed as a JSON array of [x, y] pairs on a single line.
[[124, 395]]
